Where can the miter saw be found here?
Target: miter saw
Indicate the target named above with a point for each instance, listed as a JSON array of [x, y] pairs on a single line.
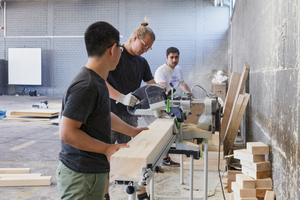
[[153, 100]]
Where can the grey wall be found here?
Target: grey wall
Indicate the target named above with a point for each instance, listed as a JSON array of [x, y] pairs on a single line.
[[266, 34], [196, 27]]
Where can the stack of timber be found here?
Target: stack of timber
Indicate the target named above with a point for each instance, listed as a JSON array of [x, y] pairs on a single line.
[[213, 155], [235, 105], [255, 181], [231, 177], [33, 115], [22, 177]]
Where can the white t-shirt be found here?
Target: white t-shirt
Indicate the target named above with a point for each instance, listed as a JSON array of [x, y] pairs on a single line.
[[168, 75]]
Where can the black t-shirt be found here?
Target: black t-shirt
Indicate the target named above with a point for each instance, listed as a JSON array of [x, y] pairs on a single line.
[[87, 100], [127, 77]]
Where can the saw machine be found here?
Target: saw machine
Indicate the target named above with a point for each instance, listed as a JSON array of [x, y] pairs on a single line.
[[153, 100]]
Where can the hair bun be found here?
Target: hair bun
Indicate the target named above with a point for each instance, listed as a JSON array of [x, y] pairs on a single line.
[[144, 24]]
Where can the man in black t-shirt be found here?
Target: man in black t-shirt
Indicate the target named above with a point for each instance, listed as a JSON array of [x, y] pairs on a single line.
[[131, 70], [86, 122]]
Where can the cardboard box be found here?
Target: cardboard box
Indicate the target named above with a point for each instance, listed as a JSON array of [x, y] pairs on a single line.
[[219, 89]]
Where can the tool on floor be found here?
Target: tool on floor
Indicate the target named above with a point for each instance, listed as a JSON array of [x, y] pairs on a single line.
[[153, 100], [42, 105]]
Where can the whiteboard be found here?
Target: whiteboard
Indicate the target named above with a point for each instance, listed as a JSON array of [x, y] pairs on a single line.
[[24, 66]]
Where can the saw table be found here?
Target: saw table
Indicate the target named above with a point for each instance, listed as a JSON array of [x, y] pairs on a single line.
[[148, 149]]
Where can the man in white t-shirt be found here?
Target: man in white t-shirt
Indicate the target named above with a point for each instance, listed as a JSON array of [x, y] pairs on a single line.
[[170, 73]]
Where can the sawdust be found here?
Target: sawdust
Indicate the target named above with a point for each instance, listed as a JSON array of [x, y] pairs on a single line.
[[191, 127]]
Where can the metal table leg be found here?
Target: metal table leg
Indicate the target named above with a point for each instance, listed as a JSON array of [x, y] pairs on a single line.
[[205, 168], [181, 170], [152, 188], [191, 177]]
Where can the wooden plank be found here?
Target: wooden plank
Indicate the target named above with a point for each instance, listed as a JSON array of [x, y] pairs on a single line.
[[239, 91], [270, 195], [243, 154], [243, 192], [19, 175], [22, 119], [258, 166], [235, 124], [258, 148], [37, 112], [230, 97], [264, 183], [143, 149], [256, 175], [14, 170], [236, 197], [232, 174], [235, 113], [245, 181], [261, 192], [25, 181]]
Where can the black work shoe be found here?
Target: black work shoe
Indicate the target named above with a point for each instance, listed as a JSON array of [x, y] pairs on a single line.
[[168, 162], [143, 196], [106, 197], [159, 169]]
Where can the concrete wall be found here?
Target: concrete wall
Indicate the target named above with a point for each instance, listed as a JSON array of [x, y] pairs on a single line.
[[266, 34], [196, 27]]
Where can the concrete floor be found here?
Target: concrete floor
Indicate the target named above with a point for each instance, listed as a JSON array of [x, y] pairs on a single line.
[[42, 157]]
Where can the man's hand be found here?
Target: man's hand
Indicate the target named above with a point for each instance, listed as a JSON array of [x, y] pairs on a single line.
[[127, 100], [138, 130], [113, 148]]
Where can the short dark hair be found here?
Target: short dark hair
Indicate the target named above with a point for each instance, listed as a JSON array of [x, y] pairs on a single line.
[[99, 36], [172, 50]]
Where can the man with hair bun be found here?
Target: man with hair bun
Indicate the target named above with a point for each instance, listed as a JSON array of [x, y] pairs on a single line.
[[131, 70]]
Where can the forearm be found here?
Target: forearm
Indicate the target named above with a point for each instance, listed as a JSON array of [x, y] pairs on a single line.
[[185, 87], [113, 93], [120, 126]]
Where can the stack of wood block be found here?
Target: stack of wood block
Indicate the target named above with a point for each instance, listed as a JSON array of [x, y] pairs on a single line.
[[231, 177], [22, 177], [213, 153], [255, 181]]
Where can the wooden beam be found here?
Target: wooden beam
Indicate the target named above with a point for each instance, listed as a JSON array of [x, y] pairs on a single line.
[[256, 175], [236, 197], [264, 183], [143, 149], [19, 175], [243, 192], [245, 181], [243, 154], [258, 148], [14, 170], [239, 91], [234, 125], [232, 174], [25, 181], [261, 192], [258, 167], [37, 112], [270, 195], [230, 97]]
